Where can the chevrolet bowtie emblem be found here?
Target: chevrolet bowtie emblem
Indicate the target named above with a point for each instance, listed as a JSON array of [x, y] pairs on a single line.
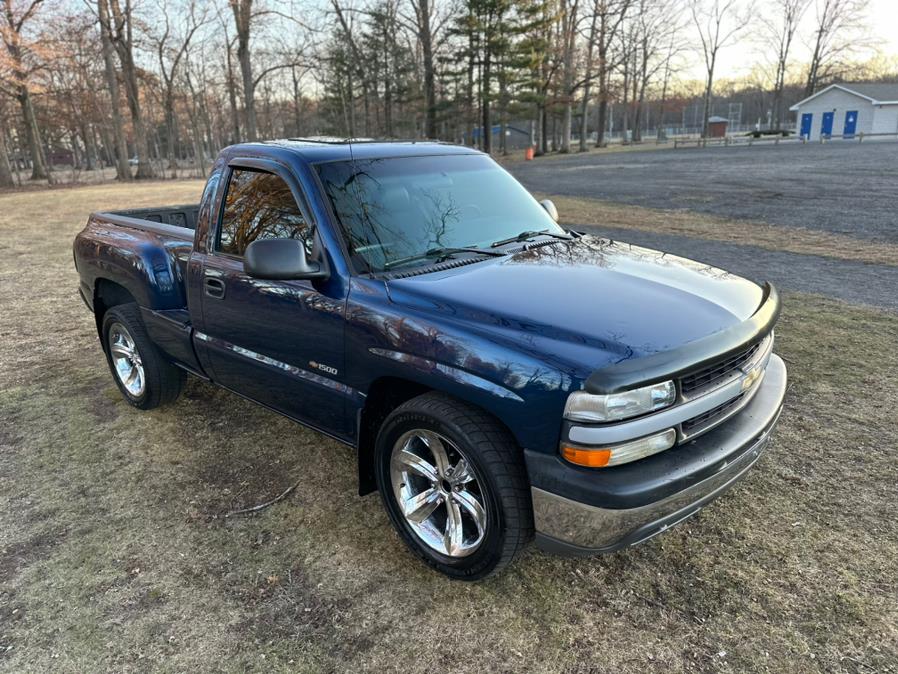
[[750, 378]]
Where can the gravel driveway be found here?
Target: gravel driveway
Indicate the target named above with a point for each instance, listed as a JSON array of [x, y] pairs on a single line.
[[843, 187]]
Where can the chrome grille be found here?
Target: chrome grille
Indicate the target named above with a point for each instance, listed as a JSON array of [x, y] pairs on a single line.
[[708, 418], [708, 376]]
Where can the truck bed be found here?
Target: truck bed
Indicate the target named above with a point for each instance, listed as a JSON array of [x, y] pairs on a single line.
[[144, 250], [184, 215]]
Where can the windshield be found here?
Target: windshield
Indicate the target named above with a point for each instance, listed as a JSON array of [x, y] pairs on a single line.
[[401, 211]]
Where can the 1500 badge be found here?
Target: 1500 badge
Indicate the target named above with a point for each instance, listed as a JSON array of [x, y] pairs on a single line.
[[321, 366]]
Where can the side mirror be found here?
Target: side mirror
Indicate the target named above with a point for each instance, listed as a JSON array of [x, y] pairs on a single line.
[[280, 260], [550, 208]]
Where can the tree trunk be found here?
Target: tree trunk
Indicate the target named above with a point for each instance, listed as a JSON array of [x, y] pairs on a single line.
[[297, 104], [602, 113], [349, 103], [426, 37], [388, 88], [814, 69], [124, 47], [566, 123], [249, 89], [469, 93], [584, 118], [198, 158], [32, 138], [170, 131], [144, 165], [90, 146], [706, 106], [487, 135], [122, 169], [6, 179], [242, 15]]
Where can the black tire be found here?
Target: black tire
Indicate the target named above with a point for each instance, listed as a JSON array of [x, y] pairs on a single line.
[[162, 381], [501, 481]]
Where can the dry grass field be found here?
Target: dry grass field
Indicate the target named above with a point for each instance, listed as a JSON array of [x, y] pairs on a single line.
[[114, 555]]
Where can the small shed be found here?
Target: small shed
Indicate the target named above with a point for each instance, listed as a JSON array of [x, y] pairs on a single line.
[[849, 108], [717, 127]]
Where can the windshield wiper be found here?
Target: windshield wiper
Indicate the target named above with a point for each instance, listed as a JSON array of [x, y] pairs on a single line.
[[442, 253], [529, 234]]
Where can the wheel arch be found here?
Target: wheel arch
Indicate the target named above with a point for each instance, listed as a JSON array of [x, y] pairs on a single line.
[[108, 294], [386, 394]]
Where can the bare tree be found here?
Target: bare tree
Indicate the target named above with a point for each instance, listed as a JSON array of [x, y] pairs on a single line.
[[777, 37], [18, 49], [570, 27], [194, 112], [425, 33], [6, 178], [655, 46], [610, 16], [171, 47], [230, 81], [122, 169], [837, 23], [120, 29], [675, 47], [718, 23], [355, 69], [243, 15]]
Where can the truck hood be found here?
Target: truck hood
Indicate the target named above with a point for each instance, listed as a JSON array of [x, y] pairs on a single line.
[[586, 303]]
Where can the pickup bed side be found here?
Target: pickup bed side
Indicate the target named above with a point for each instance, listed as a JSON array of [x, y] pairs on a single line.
[[121, 258]]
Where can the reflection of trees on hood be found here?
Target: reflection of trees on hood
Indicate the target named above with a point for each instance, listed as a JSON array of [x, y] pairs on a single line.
[[599, 252], [405, 335]]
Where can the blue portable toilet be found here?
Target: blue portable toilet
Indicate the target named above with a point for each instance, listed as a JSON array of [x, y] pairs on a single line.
[[807, 119]]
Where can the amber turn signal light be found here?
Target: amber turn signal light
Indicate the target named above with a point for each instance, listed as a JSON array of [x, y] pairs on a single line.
[[599, 457], [591, 458]]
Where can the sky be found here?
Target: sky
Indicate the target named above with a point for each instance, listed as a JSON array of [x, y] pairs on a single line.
[[737, 60]]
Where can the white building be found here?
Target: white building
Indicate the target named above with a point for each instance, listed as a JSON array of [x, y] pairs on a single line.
[[848, 109]]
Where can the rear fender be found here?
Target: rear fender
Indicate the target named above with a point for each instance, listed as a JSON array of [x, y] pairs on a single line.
[[145, 263]]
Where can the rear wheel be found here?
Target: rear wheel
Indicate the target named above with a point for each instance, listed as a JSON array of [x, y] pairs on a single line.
[[453, 483], [143, 375]]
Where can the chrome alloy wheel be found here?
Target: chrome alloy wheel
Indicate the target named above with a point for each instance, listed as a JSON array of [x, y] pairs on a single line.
[[438, 493], [126, 360]]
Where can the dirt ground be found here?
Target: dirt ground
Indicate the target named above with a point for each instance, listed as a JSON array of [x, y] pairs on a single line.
[[115, 555]]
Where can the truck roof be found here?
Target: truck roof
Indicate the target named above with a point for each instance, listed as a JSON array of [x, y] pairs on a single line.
[[320, 149]]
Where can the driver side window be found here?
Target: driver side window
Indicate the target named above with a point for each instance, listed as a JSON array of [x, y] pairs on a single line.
[[259, 205]]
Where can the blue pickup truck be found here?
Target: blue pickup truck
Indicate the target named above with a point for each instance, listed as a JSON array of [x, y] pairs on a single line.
[[501, 378]]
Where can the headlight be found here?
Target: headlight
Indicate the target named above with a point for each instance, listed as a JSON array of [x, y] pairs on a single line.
[[583, 406]]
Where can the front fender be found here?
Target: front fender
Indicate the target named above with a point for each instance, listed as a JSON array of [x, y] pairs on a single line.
[[524, 392]]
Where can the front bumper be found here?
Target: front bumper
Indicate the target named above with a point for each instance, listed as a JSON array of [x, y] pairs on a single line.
[[622, 506]]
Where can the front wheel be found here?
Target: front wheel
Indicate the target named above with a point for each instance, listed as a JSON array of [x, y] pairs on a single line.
[[454, 485]]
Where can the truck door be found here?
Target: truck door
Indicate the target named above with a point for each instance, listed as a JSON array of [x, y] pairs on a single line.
[[277, 342], [826, 129], [806, 120]]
